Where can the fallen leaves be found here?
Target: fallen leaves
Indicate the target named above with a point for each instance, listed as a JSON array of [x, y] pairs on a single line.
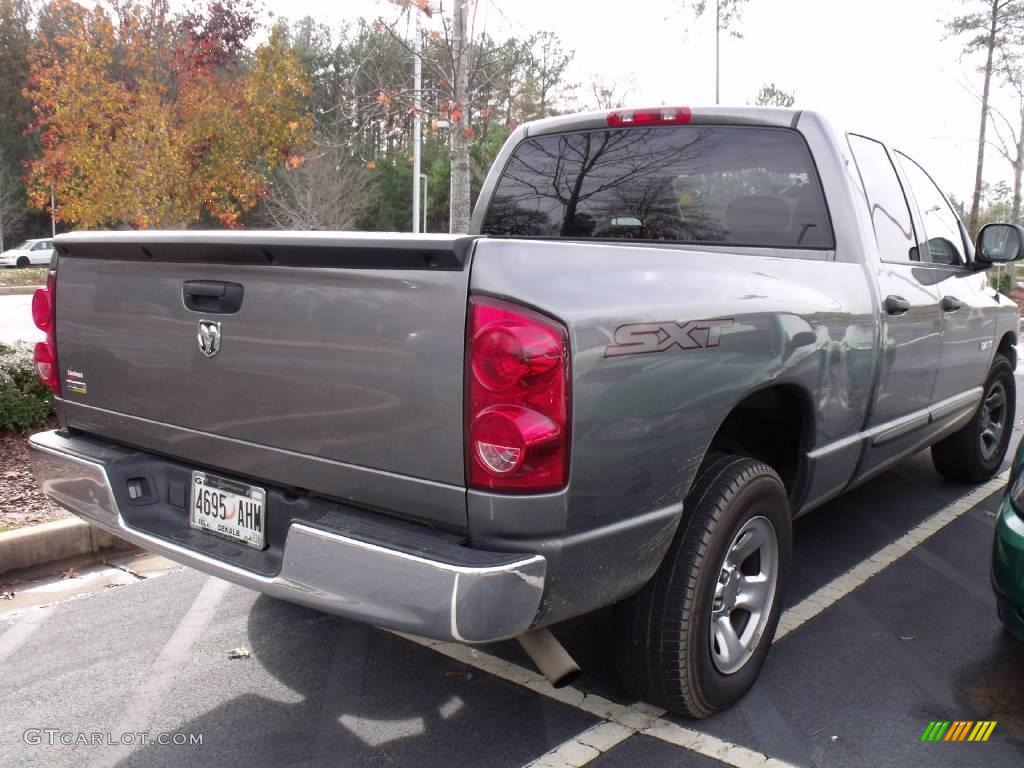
[[21, 501]]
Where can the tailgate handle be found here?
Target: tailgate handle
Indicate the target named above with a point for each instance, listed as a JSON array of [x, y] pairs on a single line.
[[212, 296]]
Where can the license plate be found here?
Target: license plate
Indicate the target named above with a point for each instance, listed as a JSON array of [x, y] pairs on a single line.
[[233, 510]]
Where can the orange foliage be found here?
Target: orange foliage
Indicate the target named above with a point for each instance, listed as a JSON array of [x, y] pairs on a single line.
[[138, 127]]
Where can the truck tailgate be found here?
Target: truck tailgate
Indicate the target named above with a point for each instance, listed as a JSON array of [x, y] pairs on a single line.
[[341, 368]]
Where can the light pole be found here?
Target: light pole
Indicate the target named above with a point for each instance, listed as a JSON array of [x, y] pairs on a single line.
[[417, 124], [53, 216], [426, 199], [718, 33], [417, 119]]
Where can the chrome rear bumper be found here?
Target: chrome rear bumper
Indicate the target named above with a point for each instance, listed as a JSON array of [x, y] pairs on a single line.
[[338, 574]]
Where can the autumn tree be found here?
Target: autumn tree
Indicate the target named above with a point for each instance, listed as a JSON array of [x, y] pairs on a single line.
[[154, 120], [985, 27]]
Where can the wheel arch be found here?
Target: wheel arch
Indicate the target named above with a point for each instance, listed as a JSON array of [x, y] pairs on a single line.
[[1008, 347], [775, 424]]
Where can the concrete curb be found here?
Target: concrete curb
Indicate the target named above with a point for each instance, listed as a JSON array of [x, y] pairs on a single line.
[[19, 290], [50, 542]]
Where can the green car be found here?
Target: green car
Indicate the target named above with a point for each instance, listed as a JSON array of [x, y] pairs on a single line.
[[1008, 552]]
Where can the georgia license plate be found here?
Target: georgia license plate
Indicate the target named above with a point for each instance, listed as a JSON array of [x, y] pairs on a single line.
[[230, 509]]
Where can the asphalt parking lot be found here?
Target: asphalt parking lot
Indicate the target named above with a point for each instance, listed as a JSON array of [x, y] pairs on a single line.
[[890, 624]]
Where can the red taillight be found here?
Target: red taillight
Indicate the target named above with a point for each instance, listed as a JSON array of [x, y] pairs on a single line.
[[41, 309], [44, 315], [626, 118], [517, 398], [46, 365]]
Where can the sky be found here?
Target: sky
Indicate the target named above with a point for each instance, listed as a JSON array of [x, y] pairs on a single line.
[[880, 67]]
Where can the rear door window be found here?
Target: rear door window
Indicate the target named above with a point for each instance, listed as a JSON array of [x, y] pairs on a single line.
[[890, 213], [739, 185]]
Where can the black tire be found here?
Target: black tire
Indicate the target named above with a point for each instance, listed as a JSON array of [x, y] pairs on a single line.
[[664, 650], [23, 261], [962, 457]]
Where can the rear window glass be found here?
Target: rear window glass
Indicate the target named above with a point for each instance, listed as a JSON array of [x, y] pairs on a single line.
[[692, 184]]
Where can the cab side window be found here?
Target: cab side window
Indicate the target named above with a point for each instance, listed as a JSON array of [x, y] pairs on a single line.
[[890, 214], [942, 231]]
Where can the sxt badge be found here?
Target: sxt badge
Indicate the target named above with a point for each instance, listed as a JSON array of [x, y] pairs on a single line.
[[640, 338]]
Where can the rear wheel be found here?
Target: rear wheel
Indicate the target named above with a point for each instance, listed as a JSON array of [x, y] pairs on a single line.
[[23, 261], [974, 453], [694, 638]]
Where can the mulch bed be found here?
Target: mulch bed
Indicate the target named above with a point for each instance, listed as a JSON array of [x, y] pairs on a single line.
[[21, 501]]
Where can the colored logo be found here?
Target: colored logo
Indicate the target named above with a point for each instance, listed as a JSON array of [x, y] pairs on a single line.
[[958, 730]]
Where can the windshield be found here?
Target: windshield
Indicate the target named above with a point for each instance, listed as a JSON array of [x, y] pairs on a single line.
[[695, 184], [24, 246]]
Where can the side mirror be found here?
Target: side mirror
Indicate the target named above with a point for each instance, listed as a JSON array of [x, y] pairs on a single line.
[[998, 243]]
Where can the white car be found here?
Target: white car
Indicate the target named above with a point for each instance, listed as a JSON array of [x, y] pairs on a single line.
[[29, 252]]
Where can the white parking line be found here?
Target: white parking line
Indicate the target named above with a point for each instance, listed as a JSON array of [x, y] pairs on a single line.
[[15, 637], [711, 746], [584, 747], [841, 586], [162, 673], [619, 721]]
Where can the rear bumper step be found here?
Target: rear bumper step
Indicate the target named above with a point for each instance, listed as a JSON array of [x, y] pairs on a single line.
[[449, 592]]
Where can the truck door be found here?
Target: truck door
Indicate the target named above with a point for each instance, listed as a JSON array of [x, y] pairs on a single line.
[[911, 321], [968, 305]]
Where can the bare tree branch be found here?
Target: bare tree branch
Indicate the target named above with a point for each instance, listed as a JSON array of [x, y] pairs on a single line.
[[328, 191]]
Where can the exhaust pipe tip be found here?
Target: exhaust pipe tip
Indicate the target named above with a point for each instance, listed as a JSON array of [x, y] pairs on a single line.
[[550, 657], [567, 679]]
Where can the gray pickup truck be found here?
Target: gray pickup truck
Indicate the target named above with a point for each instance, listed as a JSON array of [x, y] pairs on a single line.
[[669, 332]]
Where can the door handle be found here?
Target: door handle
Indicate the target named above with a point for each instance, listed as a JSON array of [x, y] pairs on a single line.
[[896, 305], [951, 304], [212, 296]]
